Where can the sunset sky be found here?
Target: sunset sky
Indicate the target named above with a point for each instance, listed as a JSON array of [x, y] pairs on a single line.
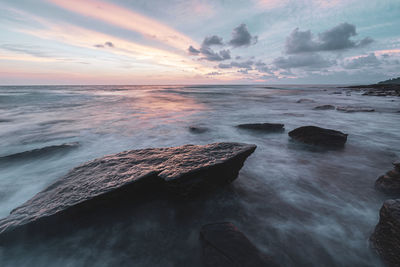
[[196, 41]]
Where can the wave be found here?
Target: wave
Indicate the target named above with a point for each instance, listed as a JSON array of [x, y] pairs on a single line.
[[39, 152]]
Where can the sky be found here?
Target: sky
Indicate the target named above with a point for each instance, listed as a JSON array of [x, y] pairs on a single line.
[[198, 41]]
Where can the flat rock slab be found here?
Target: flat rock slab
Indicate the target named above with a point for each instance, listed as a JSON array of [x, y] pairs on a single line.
[[182, 170], [314, 135], [225, 246], [265, 127], [386, 237], [389, 183]]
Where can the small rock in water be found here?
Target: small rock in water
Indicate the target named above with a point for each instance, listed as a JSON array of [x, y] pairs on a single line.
[[314, 135], [305, 100], [355, 109], [198, 129], [225, 246], [183, 170], [389, 183], [324, 107], [265, 127], [386, 237]]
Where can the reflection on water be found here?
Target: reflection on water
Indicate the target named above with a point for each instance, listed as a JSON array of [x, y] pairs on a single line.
[[306, 207]]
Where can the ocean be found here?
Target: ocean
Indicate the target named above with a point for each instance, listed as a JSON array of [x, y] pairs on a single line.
[[303, 206]]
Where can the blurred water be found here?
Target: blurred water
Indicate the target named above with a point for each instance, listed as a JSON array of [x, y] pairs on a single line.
[[305, 207]]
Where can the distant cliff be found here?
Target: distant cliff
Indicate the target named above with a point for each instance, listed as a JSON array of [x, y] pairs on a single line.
[[391, 81]]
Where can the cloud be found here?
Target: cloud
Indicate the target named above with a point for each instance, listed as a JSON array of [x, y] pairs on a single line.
[[242, 37], [127, 19], [212, 40], [211, 55], [262, 67], [109, 44], [25, 49], [302, 61], [193, 51], [106, 44], [337, 38], [214, 73], [208, 53], [243, 65], [362, 61]]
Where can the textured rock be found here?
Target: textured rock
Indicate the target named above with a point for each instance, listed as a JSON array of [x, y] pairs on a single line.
[[305, 100], [313, 135], [390, 182], [350, 109], [386, 237], [184, 170], [225, 246], [265, 127], [324, 107], [197, 129]]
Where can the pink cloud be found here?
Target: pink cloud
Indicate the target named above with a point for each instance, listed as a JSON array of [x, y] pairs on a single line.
[[128, 19]]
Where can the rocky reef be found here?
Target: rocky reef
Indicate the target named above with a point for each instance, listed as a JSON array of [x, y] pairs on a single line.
[[265, 127], [314, 135], [350, 109], [180, 170], [324, 107], [390, 182], [386, 237], [225, 246]]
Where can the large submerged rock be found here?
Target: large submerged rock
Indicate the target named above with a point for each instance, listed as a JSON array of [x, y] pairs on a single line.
[[225, 246], [314, 135], [264, 127], [184, 170], [386, 237], [390, 182]]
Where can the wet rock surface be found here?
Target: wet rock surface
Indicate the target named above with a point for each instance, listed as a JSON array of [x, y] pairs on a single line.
[[198, 129], [386, 237], [350, 109], [314, 135], [305, 100], [180, 170], [380, 89], [265, 127], [324, 107], [389, 183], [225, 246]]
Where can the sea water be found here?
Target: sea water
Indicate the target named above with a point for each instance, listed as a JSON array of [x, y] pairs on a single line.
[[304, 206]]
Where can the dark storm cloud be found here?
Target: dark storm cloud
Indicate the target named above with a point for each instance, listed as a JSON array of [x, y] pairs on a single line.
[[212, 40], [242, 37], [364, 61], [302, 61], [337, 38], [193, 51]]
